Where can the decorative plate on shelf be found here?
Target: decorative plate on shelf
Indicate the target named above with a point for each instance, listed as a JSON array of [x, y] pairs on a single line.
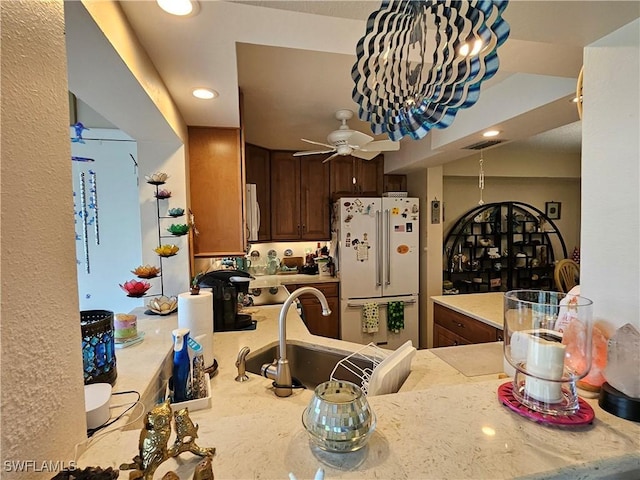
[[163, 305], [157, 178], [135, 289], [167, 250], [176, 212], [146, 271], [178, 229], [162, 194]]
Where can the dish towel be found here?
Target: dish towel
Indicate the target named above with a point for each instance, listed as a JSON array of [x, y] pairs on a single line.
[[370, 317], [395, 316]]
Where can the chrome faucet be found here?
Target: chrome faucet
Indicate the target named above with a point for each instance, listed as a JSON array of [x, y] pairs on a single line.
[[279, 371]]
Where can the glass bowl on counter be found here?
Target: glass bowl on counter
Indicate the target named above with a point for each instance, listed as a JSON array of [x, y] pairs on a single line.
[[338, 417]]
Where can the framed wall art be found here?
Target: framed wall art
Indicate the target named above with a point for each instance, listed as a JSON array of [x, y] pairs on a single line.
[[552, 210]]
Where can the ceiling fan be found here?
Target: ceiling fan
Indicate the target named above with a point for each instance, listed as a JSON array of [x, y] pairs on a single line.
[[345, 141]]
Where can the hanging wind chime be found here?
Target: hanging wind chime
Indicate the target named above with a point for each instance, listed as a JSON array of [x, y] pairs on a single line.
[[481, 178]]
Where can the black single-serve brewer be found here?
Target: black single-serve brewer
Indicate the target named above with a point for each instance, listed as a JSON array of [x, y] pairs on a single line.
[[227, 285]]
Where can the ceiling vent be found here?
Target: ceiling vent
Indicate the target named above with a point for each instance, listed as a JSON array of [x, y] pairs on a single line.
[[483, 144]]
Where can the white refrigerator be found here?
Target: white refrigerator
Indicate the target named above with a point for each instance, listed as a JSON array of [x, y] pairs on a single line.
[[378, 263]]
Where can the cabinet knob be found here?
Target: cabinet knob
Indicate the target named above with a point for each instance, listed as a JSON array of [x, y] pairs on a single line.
[[459, 325]]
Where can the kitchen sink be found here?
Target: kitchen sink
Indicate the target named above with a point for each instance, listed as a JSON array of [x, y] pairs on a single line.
[[310, 364]]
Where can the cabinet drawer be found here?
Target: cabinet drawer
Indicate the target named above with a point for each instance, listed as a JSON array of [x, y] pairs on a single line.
[[328, 289], [472, 330], [446, 338]]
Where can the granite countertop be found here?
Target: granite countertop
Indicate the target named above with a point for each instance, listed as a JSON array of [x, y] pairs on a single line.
[[442, 424], [485, 307]]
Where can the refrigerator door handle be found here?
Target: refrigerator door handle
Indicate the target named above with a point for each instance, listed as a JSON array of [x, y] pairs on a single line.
[[379, 250], [388, 244]]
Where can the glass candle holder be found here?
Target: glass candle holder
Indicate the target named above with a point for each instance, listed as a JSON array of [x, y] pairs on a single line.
[[547, 339]]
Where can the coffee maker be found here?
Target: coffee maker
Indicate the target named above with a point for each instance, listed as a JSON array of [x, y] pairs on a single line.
[[227, 285]]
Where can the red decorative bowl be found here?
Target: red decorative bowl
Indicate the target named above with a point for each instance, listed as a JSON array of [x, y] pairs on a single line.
[[135, 289]]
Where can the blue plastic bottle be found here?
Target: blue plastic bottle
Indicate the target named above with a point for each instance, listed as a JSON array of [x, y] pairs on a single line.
[[181, 365]]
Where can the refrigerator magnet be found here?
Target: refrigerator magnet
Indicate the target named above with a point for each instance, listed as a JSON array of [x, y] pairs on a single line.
[[402, 249]]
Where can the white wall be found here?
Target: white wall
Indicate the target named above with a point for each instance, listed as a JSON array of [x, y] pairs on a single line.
[[610, 266], [117, 224], [42, 387]]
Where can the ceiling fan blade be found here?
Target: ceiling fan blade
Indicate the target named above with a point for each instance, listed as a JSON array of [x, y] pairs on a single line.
[[329, 158], [365, 155], [312, 152], [359, 139], [381, 146], [318, 143]]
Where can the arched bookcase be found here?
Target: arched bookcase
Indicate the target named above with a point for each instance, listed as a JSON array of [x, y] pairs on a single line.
[[500, 247]]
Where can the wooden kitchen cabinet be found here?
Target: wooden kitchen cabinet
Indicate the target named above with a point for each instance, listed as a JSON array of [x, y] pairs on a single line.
[[453, 328], [395, 183], [316, 323], [299, 197], [354, 176], [258, 171], [217, 191]]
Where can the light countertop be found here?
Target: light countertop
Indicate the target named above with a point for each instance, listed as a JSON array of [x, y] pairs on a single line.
[[485, 307], [261, 281], [442, 424]]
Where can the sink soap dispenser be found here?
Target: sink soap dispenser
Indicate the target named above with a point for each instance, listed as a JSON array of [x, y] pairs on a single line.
[[181, 365]]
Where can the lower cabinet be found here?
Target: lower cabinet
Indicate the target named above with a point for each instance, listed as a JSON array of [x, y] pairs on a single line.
[[453, 328], [312, 310]]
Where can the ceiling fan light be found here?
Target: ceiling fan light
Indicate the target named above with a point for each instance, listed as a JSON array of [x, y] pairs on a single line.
[[177, 7], [204, 93]]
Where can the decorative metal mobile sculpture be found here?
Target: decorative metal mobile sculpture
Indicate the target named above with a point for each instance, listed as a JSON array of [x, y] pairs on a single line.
[[409, 79]]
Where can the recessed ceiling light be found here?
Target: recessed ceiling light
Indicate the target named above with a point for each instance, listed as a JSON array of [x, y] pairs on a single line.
[[178, 7], [204, 93], [491, 133]]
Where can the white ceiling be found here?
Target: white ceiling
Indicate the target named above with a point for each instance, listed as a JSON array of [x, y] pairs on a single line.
[[292, 61]]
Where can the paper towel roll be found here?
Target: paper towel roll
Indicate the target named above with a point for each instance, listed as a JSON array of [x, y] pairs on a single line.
[[195, 312]]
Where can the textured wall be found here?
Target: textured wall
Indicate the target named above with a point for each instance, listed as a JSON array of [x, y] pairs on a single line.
[[41, 371]]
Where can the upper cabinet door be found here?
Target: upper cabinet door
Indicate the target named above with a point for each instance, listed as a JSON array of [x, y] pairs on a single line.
[[342, 176], [314, 198], [299, 197], [285, 197], [355, 176], [258, 171], [216, 191], [369, 175]]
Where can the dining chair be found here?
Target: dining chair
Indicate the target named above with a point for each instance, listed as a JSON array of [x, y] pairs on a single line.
[[566, 275]]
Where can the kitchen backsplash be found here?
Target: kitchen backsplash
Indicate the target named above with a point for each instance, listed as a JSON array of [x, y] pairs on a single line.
[[298, 249]]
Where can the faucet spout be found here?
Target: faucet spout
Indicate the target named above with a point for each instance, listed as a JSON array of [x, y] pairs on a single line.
[[280, 370]]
